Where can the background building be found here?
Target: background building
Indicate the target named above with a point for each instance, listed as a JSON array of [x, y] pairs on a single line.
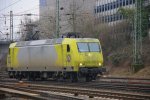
[[107, 10], [99, 16], [70, 13]]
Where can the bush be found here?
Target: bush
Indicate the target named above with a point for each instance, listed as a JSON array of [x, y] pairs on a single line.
[[137, 67], [116, 58]]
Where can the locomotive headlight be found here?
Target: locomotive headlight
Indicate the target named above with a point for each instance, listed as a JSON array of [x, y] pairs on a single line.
[[89, 54], [99, 64], [80, 64]]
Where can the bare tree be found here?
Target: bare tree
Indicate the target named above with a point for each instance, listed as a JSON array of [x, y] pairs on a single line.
[[29, 29], [80, 19], [47, 27]]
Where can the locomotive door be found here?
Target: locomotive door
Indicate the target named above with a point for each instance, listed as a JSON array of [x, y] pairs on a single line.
[[66, 55], [9, 58]]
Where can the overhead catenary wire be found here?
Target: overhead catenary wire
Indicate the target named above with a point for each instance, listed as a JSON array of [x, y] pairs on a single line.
[[10, 5], [17, 15], [28, 14], [33, 8]]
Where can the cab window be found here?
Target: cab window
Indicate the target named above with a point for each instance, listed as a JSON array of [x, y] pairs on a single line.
[[88, 47], [94, 47], [83, 47]]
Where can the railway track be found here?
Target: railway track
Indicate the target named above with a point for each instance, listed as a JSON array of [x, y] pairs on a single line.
[[105, 85], [24, 91], [134, 89], [94, 92], [131, 86], [91, 93]]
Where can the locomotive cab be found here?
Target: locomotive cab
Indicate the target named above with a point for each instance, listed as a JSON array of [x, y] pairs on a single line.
[[91, 60], [84, 56]]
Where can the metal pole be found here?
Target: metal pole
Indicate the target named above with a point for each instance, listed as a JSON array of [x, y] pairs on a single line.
[[74, 16], [57, 18], [11, 26], [137, 36]]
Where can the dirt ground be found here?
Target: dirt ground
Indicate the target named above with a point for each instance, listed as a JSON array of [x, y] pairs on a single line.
[[126, 72]]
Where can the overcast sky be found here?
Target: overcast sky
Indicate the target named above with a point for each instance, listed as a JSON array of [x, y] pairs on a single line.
[[18, 7]]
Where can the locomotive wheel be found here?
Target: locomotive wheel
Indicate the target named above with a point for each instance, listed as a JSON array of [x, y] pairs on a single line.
[[33, 77], [88, 78], [11, 75], [74, 77], [19, 77], [94, 76], [43, 79], [43, 76], [29, 77]]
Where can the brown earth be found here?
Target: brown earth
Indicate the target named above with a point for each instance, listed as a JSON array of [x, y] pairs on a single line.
[[123, 69], [126, 72]]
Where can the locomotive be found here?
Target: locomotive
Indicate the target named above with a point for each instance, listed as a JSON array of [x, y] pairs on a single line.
[[60, 58]]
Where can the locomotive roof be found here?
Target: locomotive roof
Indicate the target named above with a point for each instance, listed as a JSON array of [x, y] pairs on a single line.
[[40, 42], [50, 41]]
